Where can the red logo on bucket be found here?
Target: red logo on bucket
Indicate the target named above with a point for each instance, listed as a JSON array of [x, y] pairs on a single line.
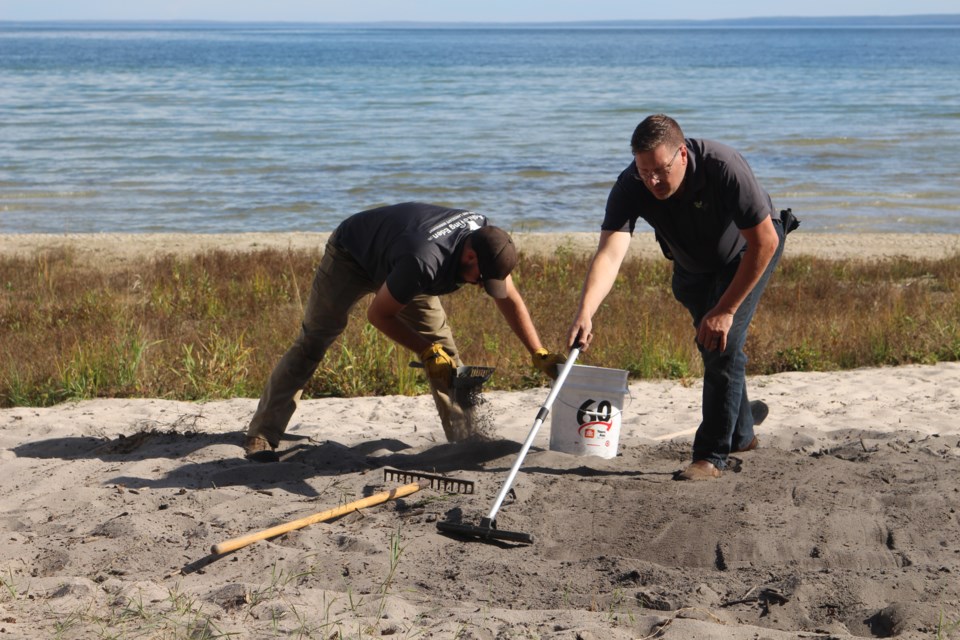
[[592, 415]]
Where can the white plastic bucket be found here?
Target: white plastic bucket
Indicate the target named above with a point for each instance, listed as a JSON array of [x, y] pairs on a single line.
[[586, 413]]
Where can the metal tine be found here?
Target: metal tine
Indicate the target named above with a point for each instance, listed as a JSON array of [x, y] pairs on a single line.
[[450, 485], [466, 375], [475, 372]]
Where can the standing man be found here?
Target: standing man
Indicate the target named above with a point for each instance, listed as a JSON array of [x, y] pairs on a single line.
[[717, 224], [406, 255]]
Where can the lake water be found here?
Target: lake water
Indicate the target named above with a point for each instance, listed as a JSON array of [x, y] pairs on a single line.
[[231, 128]]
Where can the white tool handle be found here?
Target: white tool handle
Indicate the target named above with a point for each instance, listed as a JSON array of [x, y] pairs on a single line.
[[541, 416]]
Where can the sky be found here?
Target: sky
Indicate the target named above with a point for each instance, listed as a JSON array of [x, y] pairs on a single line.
[[455, 10]]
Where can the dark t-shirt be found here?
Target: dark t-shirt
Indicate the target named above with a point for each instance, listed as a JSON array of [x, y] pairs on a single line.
[[699, 228], [412, 247]]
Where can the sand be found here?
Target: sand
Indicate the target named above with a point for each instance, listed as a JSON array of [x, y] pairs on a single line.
[[112, 248], [843, 523]]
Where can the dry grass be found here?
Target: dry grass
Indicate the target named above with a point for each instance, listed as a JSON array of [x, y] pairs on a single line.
[[214, 324]]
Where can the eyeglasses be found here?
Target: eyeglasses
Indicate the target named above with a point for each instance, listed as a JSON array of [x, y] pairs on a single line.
[[658, 174]]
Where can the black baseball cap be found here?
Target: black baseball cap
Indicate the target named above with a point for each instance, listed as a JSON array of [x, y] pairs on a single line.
[[496, 257]]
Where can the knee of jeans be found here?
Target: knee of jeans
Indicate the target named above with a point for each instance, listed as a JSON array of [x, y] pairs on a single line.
[[723, 363], [716, 357]]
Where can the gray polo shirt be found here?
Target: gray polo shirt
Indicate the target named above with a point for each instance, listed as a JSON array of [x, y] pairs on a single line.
[[700, 228], [412, 247]]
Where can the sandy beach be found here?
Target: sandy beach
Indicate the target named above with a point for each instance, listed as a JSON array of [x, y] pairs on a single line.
[[112, 248], [843, 524]]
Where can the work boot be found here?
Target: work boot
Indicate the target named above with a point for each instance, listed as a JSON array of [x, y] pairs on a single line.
[[700, 470], [257, 449]]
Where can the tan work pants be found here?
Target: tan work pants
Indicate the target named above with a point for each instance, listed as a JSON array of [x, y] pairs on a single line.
[[338, 285]]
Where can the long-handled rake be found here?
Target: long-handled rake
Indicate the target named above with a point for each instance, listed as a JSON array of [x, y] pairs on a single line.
[[377, 498], [487, 529]]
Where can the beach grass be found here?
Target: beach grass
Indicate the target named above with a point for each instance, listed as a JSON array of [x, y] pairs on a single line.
[[212, 325]]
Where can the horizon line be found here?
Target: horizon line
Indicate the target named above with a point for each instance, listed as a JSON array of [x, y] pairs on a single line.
[[611, 21]]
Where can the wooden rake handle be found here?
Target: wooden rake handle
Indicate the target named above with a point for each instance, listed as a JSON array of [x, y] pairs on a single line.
[[377, 498]]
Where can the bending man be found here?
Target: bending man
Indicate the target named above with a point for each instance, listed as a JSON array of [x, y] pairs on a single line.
[[406, 255], [716, 223]]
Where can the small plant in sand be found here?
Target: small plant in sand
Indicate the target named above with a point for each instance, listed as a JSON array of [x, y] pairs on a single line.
[[305, 628], [8, 587], [63, 628], [396, 550], [303, 624], [361, 626], [280, 580], [186, 616], [946, 628], [617, 606], [179, 617]]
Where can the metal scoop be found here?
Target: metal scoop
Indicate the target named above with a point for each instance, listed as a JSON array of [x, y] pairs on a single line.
[[465, 376]]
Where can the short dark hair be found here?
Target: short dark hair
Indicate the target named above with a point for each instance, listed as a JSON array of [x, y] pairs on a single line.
[[654, 131]]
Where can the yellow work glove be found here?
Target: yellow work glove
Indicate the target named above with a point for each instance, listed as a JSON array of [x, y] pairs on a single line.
[[438, 365], [547, 362]]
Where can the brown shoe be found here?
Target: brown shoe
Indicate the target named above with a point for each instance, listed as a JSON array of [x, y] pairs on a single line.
[[750, 447], [257, 448], [700, 470]]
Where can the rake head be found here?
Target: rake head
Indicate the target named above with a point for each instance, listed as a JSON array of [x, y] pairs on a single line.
[[443, 483], [485, 531]]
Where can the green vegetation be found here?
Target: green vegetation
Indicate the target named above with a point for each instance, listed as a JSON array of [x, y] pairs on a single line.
[[213, 325], [946, 628]]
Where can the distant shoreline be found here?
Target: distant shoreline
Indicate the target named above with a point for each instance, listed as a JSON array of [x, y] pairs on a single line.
[[117, 248], [934, 20]]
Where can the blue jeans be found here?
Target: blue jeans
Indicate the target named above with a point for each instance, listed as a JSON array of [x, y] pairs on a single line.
[[727, 422]]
